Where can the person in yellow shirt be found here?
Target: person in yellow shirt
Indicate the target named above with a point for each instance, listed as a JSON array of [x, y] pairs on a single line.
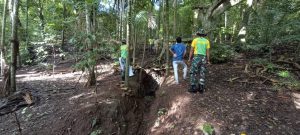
[[122, 59], [200, 54]]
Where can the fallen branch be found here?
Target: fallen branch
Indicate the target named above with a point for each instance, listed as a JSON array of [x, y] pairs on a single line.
[[232, 79], [296, 65], [246, 68], [18, 123], [268, 79], [15, 102]]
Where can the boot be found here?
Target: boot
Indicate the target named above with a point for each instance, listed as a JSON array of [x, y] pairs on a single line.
[[201, 88], [192, 89]]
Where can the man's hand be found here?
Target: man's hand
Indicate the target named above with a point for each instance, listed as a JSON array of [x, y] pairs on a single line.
[[174, 55], [208, 62], [189, 62]]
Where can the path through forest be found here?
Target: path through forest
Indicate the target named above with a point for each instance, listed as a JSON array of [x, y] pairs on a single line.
[[232, 104]]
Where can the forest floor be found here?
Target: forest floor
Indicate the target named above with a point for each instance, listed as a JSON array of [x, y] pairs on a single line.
[[232, 104]]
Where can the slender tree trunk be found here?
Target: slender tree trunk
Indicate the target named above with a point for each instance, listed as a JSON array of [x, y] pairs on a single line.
[[163, 49], [63, 26], [27, 35], [225, 23], [128, 42], [14, 44], [134, 45], [91, 68], [42, 18], [5, 71], [158, 21], [3, 62], [166, 30], [175, 19]]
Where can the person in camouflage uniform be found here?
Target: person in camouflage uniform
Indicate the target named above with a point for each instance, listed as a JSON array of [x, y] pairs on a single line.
[[200, 54]]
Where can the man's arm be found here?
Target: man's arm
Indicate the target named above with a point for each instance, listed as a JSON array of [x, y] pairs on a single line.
[[174, 54], [207, 52], [207, 55], [191, 53]]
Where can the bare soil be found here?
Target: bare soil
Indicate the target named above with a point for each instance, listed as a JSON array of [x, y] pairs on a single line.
[[65, 107]]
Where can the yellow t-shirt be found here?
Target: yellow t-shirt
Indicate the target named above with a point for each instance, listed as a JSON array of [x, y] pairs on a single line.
[[200, 45], [124, 51]]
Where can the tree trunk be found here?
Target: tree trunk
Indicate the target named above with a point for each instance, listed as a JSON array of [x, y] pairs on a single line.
[[27, 35], [128, 37], [14, 45], [5, 71], [63, 26], [91, 69], [164, 47], [42, 18], [207, 16], [166, 41], [158, 21], [175, 19], [134, 45], [2, 47]]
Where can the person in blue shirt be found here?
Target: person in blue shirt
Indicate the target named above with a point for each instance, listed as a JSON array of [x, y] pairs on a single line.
[[178, 50]]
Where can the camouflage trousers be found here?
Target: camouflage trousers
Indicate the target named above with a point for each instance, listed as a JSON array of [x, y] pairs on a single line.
[[198, 67]]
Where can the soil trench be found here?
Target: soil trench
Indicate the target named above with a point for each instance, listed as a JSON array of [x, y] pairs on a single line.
[[127, 115]]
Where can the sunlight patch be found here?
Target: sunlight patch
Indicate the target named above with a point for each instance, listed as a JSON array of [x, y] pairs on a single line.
[[176, 110], [249, 3], [234, 2], [296, 100], [80, 95]]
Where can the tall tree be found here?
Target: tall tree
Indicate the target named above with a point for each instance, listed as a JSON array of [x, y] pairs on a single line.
[[14, 43], [2, 46], [63, 25], [128, 37], [175, 19], [91, 67], [41, 16], [207, 14], [166, 34], [27, 34], [4, 67]]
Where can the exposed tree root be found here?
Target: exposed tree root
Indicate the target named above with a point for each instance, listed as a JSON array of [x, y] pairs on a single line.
[[294, 64]]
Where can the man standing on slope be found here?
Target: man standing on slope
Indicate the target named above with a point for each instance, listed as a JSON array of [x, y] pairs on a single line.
[[178, 50], [200, 50], [122, 59]]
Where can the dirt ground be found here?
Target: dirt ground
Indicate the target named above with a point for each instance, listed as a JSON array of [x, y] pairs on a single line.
[[65, 107], [241, 106]]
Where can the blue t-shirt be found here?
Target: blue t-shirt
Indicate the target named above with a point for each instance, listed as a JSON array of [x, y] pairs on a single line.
[[178, 49]]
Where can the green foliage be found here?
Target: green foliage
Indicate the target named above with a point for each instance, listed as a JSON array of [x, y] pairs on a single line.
[[185, 28], [208, 128], [271, 67], [288, 80], [221, 53], [284, 74], [96, 132], [162, 111], [275, 22], [25, 55], [259, 61], [41, 53]]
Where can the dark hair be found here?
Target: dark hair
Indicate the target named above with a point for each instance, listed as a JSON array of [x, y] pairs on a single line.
[[178, 40], [201, 35], [123, 41]]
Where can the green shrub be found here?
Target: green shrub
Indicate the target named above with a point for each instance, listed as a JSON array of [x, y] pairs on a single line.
[[208, 129], [221, 53]]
